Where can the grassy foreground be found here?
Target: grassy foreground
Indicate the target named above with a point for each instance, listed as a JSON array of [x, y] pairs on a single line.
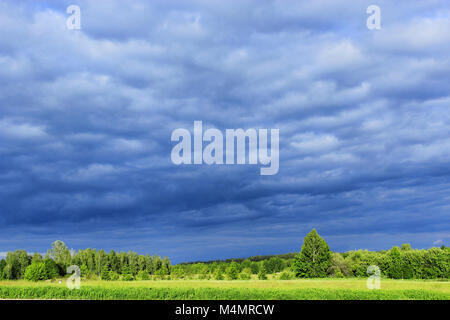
[[335, 289]]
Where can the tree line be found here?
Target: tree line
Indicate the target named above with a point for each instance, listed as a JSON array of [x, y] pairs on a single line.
[[315, 260], [93, 264]]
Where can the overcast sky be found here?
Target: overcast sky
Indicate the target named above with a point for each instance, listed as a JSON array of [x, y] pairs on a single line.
[[86, 118]]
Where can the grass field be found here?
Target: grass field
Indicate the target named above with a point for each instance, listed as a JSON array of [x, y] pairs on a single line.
[[209, 289]]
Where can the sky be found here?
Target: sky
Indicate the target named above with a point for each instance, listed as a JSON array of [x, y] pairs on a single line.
[[86, 118]]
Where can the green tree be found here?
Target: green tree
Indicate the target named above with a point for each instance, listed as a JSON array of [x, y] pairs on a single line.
[[101, 260], [246, 274], [405, 247], [218, 274], [339, 267], [105, 275], [394, 264], [133, 258], [232, 271], [84, 271], [114, 261], [2, 267], [274, 265], [143, 275], [51, 268], [254, 267], [16, 263], [314, 258], [60, 254]]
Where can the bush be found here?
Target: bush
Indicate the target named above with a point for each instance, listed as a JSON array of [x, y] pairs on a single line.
[[218, 275], [51, 268], [36, 272], [245, 276], [127, 277], [114, 276], [84, 271], [262, 274], [142, 275], [335, 272], [2, 267], [286, 275], [339, 267], [136, 293], [126, 274]]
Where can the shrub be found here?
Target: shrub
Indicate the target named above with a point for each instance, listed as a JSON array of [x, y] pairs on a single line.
[[335, 272], [114, 276], [286, 275], [127, 277], [51, 268], [143, 275], [2, 267], [262, 274], [339, 267], [218, 275], [245, 276], [84, 271]]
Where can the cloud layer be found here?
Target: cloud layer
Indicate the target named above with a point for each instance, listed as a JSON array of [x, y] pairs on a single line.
[[86, 118]]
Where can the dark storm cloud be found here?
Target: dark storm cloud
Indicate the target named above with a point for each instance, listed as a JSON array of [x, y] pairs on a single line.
[[86, 118]]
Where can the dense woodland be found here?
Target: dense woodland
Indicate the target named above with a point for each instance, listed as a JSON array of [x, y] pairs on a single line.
[[315, 260]]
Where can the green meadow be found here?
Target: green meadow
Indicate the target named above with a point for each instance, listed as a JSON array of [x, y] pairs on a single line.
[[308, 289]]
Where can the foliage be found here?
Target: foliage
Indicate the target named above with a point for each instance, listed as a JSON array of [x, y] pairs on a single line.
[[262, 274], [60, 254], [339, 267], [105, 275], [286, 275], [2, 267], [42, 270], [126, 273], [218, 274], [16, 263], [35, 272], [314, 258], [51, 268], [143, 275], [246, 274], [232, 271], [114, 276]]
